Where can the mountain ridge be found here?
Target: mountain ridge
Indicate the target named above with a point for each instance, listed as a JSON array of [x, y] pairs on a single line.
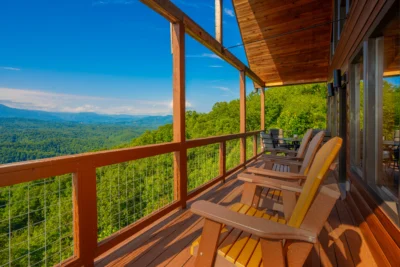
[[84, 117]]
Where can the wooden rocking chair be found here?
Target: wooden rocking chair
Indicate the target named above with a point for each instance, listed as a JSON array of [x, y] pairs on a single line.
[[298, 155], [245, 236]]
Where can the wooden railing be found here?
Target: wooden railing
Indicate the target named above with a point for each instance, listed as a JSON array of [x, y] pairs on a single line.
[[83, 167]]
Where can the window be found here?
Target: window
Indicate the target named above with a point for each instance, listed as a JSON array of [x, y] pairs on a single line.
[[340, 12], [357, 112], [341, 15], [375, 112], [388, 86]]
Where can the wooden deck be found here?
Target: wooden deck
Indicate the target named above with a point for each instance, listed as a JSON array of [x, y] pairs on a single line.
[[167, 241]]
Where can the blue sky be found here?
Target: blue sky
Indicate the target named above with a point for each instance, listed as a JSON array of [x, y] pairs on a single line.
[[108, 56]]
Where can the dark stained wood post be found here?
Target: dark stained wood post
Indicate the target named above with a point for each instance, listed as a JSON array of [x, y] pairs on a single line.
[[179, 109], [222, 160], [242, 116], [85, 213], [262, 111]]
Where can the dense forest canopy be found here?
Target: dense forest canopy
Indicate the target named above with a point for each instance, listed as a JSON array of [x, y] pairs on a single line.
[[36, 218], [292, 108], [28, 139]]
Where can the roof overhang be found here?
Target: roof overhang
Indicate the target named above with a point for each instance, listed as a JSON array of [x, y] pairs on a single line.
[[286, 42]]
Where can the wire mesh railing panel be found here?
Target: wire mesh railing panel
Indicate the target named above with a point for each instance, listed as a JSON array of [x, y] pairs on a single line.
[[129, 191], [232, 153], [36, 222], [259, 148], [249, 147], [203, 165]]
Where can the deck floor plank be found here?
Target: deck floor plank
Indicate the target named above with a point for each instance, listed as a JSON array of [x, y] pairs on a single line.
[[359, 250], [168, 241], [340, 245]]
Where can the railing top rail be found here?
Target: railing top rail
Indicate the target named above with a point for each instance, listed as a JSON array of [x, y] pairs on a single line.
[[217, 139], [26, 171]]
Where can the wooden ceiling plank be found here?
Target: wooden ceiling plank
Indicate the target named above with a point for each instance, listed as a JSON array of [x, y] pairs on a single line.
[[286, 42]]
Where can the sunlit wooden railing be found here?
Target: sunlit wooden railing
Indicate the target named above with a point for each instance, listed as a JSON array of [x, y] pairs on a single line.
[[103, 192]]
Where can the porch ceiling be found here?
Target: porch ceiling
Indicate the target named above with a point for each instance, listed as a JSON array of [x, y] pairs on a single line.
[[286, 42]]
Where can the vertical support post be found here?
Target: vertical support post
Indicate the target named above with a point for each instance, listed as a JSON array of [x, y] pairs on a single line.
[[85, 214], [343, 133], [222, 160], [369, 142], [179, 109], [379, 44], [262, 111], [242, 116], [218, 21], [254, 145]]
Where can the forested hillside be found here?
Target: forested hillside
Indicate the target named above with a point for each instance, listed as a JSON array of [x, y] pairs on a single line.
[[27, 139], [292, 108], [36, 222]]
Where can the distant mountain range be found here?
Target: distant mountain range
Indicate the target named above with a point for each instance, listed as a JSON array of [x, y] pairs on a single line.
[[85, 117]]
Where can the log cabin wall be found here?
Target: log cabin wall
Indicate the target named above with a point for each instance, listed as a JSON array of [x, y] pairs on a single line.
[[362, 18], [379, 226]]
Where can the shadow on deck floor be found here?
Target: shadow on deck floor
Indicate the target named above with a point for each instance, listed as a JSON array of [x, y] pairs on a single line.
[[167, 241]]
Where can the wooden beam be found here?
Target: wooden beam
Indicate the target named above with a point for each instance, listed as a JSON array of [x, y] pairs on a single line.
[[242, 116], [262, 100], [171, 12], [179, 109], [218, 21]]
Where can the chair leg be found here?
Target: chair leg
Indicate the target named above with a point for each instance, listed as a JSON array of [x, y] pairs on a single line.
[[208, 244], [297, 252], [251, 195], [272, 253]]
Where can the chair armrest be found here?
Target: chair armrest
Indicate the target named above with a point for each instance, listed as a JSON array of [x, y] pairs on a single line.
[[266, 157], [275, 174], [253, 225], [280, 150], [279, 184], [284, 161]]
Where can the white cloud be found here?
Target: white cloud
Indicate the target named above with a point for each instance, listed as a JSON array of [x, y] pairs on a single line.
[[229, 12], [206, 55], [10, 68], [215, 66], [57, 102], [188, 104], [228, 92], [222, 88]]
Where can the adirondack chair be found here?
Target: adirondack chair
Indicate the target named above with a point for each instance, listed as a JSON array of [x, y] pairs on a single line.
[[245, 236], [328, 134], [288, 171], [287, 164], [299, 154], [266, 141]]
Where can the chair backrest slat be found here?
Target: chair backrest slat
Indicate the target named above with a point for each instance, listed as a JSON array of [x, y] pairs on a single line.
[[304, 143], [318, 171], [311, 151]]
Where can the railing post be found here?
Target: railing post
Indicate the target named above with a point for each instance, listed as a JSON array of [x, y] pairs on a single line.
[[262, 111], [85, 213], [254, 145], [222, 160], [242, 116], [179, 109]]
